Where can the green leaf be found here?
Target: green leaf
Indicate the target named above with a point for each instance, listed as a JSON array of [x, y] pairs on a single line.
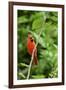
[[38, 76], [20, 45], [21, 75], [22, 65], [22, 19], [37, 23]]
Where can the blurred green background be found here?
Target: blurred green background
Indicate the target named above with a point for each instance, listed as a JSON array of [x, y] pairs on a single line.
[[34, 22]]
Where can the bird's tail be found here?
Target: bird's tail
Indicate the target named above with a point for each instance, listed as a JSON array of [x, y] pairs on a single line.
[[35, 60]]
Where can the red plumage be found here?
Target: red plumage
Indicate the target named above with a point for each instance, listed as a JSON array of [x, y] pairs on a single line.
[[30, 47]]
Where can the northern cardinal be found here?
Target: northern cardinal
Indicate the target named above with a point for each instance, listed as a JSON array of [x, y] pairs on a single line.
[[30, 46]]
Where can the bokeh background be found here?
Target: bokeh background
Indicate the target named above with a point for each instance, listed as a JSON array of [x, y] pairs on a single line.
[[35, 22]]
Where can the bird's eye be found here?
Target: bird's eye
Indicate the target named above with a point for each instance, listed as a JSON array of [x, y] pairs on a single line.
[[31, 40], [30, 37]]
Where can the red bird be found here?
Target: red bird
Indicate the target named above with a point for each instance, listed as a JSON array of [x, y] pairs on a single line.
[[30, 46]]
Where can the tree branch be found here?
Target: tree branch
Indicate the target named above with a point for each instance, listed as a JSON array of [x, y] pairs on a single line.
[[28, 75]]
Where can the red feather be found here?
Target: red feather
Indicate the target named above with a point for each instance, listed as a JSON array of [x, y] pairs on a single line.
[[30, 47]]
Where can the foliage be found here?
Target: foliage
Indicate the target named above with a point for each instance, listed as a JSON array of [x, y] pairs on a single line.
[[34, 22]]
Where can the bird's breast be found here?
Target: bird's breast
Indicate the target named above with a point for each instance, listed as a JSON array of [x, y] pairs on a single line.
[[30, 47]]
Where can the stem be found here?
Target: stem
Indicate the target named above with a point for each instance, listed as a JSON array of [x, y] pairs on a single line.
[[31, 63], [33, 53]]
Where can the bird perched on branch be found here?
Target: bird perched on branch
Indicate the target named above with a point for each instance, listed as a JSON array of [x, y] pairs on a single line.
[[30, 47]]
